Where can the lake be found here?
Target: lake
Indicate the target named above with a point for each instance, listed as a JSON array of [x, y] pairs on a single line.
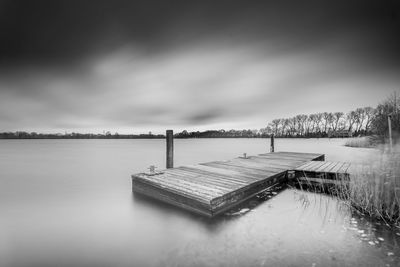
[[69, 203]]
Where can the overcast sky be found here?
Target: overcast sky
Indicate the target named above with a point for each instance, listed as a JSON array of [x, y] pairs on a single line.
[[133, 67]]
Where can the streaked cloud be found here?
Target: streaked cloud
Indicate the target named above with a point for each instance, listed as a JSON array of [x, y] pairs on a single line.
[[236, 70]]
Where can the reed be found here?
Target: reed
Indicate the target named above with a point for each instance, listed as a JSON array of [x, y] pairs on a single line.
[[375, 187], [365, 141]]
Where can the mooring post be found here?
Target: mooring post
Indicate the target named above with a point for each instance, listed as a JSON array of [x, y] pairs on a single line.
[[390, 133], [272, 143], [170, 148]]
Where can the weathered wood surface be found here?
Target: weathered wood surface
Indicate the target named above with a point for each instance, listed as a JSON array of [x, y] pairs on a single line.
[[213, 187], [324, 167]]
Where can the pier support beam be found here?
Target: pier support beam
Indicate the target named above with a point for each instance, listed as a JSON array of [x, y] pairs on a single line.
[[272, 143], [170, 148]]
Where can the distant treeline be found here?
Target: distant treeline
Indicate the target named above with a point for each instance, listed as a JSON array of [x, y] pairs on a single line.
[[221, 134], [183, 134], [34, 135], [354, 123]]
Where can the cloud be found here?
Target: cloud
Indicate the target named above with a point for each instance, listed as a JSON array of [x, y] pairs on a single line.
[[191, 88], [192, 66]]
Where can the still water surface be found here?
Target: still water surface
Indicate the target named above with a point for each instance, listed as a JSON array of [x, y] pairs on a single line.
[[69, 203]]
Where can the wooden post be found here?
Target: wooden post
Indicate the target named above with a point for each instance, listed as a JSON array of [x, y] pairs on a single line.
[[170, 148], [390, 133], [272, 143]]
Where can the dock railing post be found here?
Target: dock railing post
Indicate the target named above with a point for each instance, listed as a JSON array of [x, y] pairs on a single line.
[[272, 143], [170, 148]]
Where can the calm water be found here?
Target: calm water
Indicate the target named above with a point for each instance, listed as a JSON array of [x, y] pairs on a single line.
[[69, 203]]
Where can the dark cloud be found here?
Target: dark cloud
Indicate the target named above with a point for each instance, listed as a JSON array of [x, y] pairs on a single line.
[[203, 116], [63, 31]]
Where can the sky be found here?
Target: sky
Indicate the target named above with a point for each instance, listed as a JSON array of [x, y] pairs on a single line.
[[139, 66]]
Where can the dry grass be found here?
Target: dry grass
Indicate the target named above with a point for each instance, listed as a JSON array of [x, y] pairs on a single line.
[[365, 141], [375, 188]]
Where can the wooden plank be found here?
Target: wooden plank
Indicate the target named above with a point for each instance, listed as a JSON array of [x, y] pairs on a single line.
[[315, 165], [344, 168], [279, 163], [337, 167], [286, 162], [303, 166], [314, 157], [176, 199], [292, 153], [208, 179], [181, 189], [287, 156], [307, 180], [302, 154], [201, 180], [311, 166], [251, 167], [186, 193], [332, 166], [223, 178], [309, 156], [284, 157], [329, 166], [175, 183], [231, 174], [259, 165], [203, 188], [322, 166], [325, 166], [255, 173]]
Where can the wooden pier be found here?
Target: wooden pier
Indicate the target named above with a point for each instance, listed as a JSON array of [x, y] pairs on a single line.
[[214, 187]]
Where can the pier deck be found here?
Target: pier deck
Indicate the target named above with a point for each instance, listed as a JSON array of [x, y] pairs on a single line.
[[214, 187]]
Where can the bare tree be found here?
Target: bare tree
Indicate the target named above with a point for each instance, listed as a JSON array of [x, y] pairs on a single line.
[[313, 121], [337, 116], [275, 125], [369, 112], [326, 117], [351, 119], [284, 126], [329, 120], [360, 117], [318, 119], [301, 119], [292, 126], [308, 124]]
